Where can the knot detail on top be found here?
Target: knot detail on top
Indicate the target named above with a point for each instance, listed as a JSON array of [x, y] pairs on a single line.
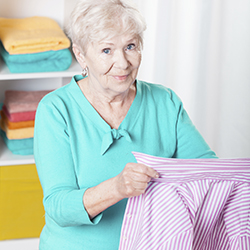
[[113, 134]]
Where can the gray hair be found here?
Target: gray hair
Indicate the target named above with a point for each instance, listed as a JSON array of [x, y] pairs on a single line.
[[95, 20]]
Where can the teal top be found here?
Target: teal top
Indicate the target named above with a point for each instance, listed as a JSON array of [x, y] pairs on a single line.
[[76, 149]]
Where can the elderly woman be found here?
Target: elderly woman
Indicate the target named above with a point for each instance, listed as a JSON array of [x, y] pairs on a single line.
[[85, 131]]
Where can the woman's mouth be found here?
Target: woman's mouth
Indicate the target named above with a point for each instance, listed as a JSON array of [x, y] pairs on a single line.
[[121, 78]]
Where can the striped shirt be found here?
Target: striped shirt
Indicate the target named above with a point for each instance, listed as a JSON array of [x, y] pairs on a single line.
[[198, 204]]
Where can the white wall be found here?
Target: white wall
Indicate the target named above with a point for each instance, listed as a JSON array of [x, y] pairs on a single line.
[[201, 50]]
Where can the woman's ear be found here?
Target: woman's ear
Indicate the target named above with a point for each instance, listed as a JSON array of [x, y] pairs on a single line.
[[79, 55]]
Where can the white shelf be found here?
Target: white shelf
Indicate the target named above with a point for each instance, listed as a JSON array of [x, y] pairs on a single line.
[[20, 244], [8, 158], [5, 74]]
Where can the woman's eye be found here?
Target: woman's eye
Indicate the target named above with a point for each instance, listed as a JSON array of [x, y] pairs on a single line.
[[106, 51], [130, 46]]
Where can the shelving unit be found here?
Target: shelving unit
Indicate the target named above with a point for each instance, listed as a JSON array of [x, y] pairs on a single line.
[[58, 10]]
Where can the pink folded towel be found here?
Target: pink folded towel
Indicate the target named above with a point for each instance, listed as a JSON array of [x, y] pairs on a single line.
[[16, 125], [23, 101], [20, 116]]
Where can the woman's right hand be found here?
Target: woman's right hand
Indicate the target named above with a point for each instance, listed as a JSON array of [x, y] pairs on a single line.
[[134, 179]]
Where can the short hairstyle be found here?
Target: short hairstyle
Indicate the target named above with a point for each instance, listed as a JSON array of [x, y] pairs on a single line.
[[95, 20]]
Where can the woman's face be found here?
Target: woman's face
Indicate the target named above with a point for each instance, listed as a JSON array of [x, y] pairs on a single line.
[[113, 63]]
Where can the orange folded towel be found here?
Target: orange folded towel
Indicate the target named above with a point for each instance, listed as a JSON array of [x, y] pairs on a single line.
[[20, 133]]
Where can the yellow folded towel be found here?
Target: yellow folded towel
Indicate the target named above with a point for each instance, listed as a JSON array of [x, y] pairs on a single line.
[[20, 133], [32, 35]]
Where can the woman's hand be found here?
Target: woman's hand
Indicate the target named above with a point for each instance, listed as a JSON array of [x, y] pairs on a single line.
[[133, 180]]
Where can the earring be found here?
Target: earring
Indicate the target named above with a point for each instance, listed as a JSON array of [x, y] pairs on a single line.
[[85, 72]]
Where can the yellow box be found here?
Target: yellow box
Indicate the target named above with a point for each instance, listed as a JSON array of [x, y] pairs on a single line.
[[21, 208]]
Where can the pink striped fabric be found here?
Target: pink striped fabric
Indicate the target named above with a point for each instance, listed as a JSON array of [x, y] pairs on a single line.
[[198, 204]]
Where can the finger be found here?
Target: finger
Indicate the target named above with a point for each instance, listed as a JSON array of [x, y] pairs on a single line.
[[140, 186], [135, 188], [140, 177], [147, 170]]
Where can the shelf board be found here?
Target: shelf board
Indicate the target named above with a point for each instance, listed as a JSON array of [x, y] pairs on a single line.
[[7, 158], [5, 74], [20, 244]]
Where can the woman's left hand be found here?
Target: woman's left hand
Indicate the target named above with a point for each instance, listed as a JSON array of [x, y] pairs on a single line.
[[133, 180]]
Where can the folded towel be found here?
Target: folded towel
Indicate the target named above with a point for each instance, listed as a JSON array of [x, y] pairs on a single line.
[[32, 35], [21, 133], [19, 146], [19, 116], [16, 125], [22, 101], [47, 61]]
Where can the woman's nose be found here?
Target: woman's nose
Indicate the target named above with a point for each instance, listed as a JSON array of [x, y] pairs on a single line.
[[121, 60]]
